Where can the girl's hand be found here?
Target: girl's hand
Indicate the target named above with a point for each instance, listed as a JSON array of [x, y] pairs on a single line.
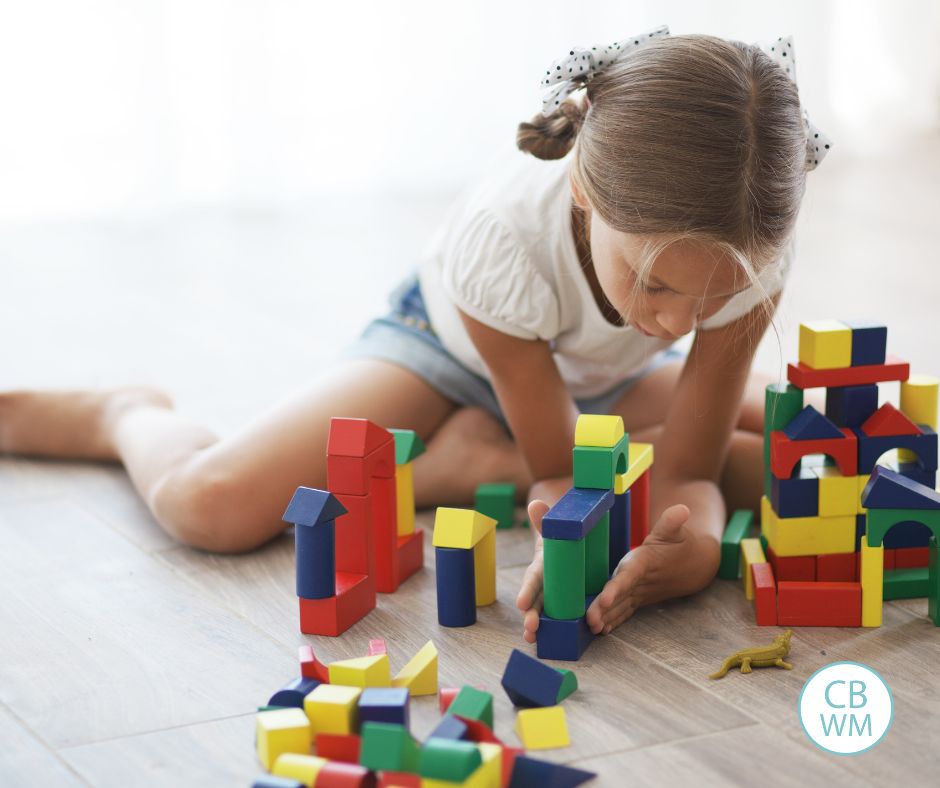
[[646, 574], [529, 600]]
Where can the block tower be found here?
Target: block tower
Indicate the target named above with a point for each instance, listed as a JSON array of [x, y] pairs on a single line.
[[590, 529], [809, 566], [355, 539]]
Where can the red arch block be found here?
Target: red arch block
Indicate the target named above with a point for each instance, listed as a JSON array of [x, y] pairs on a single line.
[[784, 452]]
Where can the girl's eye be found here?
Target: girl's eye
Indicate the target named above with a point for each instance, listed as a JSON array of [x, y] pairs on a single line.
[[653, 290]]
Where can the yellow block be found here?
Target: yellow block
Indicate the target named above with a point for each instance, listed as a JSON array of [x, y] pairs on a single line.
[[362, 672], [332, 708], [461, 528], [280, 731], [767, 519], [542, 729], [639, 460], [484, 569], [302, 768], [492, 766], [603, 431], [838, 494], [826, 344], [810, 535], [751, 553], [861, 481], [419, 674], [405, 499], [919, 404], [872, 578]]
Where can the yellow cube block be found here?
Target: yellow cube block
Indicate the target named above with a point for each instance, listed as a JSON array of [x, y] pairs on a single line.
[[542, 729], [812, 535], [872, 579], [461, 528], [751, 553], [838, 494], [639, 461], [826, 344], [601, 431], [362, 672], [332, 708], [405, 499], [302, 768], [419, 674], [280, 731]]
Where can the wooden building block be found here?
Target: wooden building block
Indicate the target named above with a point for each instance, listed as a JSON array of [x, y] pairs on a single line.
[[794, 567], [595, 467], [362, 672], [303, 768], [564, 563], [280, 731], [819, 604], [805, 377], [825, 344], [919, 394], [871, 576], [765, 595], [355, 597], [838, 494], [460, 528], [598, 430], [751, 553], [419, 674], [333, 709], [542, 728], [497, 500], [639, 461]]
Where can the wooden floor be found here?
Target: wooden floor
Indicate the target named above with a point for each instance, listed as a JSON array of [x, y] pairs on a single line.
[[126, 659]]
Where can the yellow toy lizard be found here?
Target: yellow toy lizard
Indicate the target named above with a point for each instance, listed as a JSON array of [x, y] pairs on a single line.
[[759, 657]]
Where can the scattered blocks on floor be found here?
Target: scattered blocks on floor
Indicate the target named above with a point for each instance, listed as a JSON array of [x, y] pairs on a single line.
[[384, 704], [281, 731], [273, 781], [473, 703], [449, 727], [388, 747], [498, 501], [293, 694], [530, 683], [739, 526], [343, 747], [303, 768], [310, 666], [446, 697], [333, 709], [419, 674], [362, 672], [542, 728], [377, 646], [447, 759], [531, 773]]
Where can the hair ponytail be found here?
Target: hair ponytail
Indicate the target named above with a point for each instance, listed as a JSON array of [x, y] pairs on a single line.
[[553, 136]]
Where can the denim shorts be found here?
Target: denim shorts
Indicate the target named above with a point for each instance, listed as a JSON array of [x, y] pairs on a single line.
[[406, 338]]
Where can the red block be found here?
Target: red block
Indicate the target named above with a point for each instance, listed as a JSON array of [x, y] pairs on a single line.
[[640, 509], [795, 567], [910, 557], [339, 746], [377, 647], [817, 604], [837, 567], [355, 597], [355, 437], [445, 696], [765, 595], [410, 554], [354, 546], [784, 452], [399, 780], [479, 731], [888, 421], [335, 774], [311, 667], [805, 377], [354, 475], [385, 535], [509, 761]]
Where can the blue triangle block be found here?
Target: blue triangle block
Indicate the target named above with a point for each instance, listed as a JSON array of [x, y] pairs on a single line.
[[887, 489], [531, 773], [310, 507], [810, 425]]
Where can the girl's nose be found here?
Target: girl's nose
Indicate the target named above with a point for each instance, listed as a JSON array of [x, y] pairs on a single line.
[[678, 322]]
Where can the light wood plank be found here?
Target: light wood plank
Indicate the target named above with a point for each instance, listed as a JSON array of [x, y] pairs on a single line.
[[26, 761]]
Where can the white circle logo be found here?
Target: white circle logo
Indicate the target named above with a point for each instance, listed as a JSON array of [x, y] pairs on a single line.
[[845, 708]]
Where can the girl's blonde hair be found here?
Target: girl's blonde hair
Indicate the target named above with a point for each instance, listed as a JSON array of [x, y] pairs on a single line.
[[688, 137]]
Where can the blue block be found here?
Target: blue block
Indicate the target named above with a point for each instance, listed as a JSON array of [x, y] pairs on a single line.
[[384, 704], [528, 772], [850, 406], [869, 342], [273, 781], [562, 639], [810, 425], [310, 507], [316, 560], [796, 497], [294, 693], [619, 542], [530, 683], [871, 447], [887, 489], [576, 514], [456, 587], [907, 534], [861, 525], [449, 728], [913, 471]]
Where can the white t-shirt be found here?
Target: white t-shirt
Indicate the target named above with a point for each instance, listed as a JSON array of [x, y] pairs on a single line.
[[506, 256]]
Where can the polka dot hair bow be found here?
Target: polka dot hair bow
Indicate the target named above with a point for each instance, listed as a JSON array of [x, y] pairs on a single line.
[[783, 54], [580, 66]]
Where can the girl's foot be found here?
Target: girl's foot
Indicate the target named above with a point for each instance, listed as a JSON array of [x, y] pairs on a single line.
[[468, 449], [69, 424]]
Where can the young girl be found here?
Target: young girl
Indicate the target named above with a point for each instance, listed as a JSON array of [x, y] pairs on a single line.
[[657, 201]]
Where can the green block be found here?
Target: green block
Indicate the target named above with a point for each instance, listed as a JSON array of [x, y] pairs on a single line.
[[597, 556], [739, 526], [474, 704], [272, 708], [905, 583], [446, 759], [781, 403], [596, 466], [388, 747], [497, 500], [933, 582], [564, 581], [763, 543], [881, 520], [569, 683], [407, 446]]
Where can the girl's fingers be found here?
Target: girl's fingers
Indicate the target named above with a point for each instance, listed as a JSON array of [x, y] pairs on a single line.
[[536, 511], [531, 585]]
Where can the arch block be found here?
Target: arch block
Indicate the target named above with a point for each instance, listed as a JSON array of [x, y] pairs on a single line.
[[881, 520], [784, 452], [595, 467], [871, 447]]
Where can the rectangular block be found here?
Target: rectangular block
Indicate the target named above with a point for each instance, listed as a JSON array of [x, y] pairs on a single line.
[[794, 567], [342, 747], [497, 500], [911, 583], [850, 406], [837, 567], [405, 499], [739, 527], [911, 557], [576, 513], [797, 496], [640, 509], [562, 640], [871, 574], [354, 541], [933, 580], [782, 402], [765, 595], [639, 461], [825, 344], [810, 535], [619, 542], [385, 535], [819, 604], [564, 582], [838, 494], [484, 570], [597, 557], [751, 553], [805, 377]]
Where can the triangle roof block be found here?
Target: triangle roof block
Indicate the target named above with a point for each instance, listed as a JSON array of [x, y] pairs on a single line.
[[809, 424], [408, 446], [355, 437], [312, 507], [887, 489], [888, 421]]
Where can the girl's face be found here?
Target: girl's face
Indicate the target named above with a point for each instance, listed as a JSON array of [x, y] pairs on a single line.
[[689, 282]]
